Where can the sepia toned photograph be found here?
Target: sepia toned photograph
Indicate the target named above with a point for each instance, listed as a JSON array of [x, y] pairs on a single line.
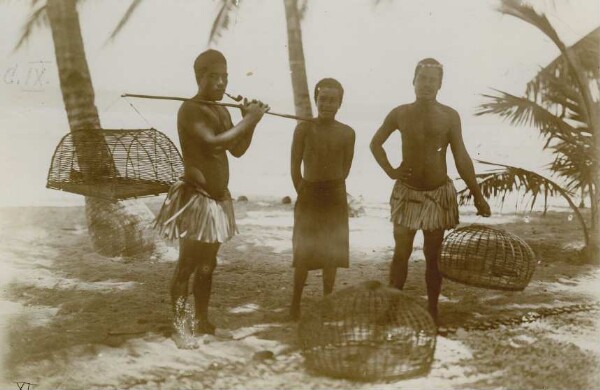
[[299, 194]]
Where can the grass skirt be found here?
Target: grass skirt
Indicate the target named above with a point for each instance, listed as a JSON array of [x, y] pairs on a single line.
[[320, 237], [190, 214], [424, 209]]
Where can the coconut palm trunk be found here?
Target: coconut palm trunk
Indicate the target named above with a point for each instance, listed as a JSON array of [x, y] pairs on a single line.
[[591, 116], [296, 59], [594, 190], [594, 247], [115, 228]]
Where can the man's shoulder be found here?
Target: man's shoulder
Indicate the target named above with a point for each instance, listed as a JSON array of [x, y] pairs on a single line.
[[345, 129], [191, 114], [448, 110], [303, 126], [193, 110], [401, 109]]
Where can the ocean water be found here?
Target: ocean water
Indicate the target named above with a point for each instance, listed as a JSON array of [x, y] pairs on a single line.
[[28, 138]]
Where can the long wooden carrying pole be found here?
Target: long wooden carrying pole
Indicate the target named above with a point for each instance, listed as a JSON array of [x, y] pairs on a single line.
[[211, 103]]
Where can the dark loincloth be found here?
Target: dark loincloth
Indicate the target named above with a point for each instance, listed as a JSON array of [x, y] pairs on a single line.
[[191, 214], [320, 237], [424, 209]]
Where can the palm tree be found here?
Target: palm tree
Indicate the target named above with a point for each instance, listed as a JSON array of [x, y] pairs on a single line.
[[559, 103], [115, 228], [293, 16], [294, 12]]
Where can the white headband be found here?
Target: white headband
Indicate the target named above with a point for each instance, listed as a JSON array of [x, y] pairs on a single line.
[[430, 66]]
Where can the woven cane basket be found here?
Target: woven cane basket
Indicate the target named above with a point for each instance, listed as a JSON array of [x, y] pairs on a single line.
[[115, 164], [482, 256], [368, 333]]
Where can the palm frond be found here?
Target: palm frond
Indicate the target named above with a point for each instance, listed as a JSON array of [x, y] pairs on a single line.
[[587, 52], [559, 92], [521, 10], [560, 86], [37, 18], [126, 17], [574, 163], [575, 75], [223, 18], [555, 104], [522, 111], [505, 179], [525, 12]]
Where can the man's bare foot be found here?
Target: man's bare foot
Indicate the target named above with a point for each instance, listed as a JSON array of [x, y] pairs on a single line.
[[204, 327], [182, 335], [184, 341]]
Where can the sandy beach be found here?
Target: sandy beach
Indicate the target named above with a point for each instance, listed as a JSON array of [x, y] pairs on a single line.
[[519, 85], [72, 319]]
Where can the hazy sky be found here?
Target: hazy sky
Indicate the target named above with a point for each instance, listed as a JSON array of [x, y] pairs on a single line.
[[371, 50]]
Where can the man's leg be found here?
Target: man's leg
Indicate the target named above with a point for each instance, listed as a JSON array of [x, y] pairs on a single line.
[[183, 270], [300, 274], [207, 262], [328, 279], [403, 238], [179, 292], [433, 278]]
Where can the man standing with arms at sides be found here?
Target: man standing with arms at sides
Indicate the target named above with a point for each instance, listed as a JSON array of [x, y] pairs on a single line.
[[424, 198], [198, 209], [326, 148]]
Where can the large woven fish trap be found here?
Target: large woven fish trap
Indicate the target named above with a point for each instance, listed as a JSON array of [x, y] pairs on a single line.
[[368, 333], [482, 256], [115, 164]]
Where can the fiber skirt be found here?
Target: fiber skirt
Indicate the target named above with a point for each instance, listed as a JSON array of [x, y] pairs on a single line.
[[424, 209], [189, 213]]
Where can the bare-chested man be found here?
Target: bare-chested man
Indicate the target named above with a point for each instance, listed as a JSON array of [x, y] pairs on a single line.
[[326, 148], [198, 209], [424, 198]]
